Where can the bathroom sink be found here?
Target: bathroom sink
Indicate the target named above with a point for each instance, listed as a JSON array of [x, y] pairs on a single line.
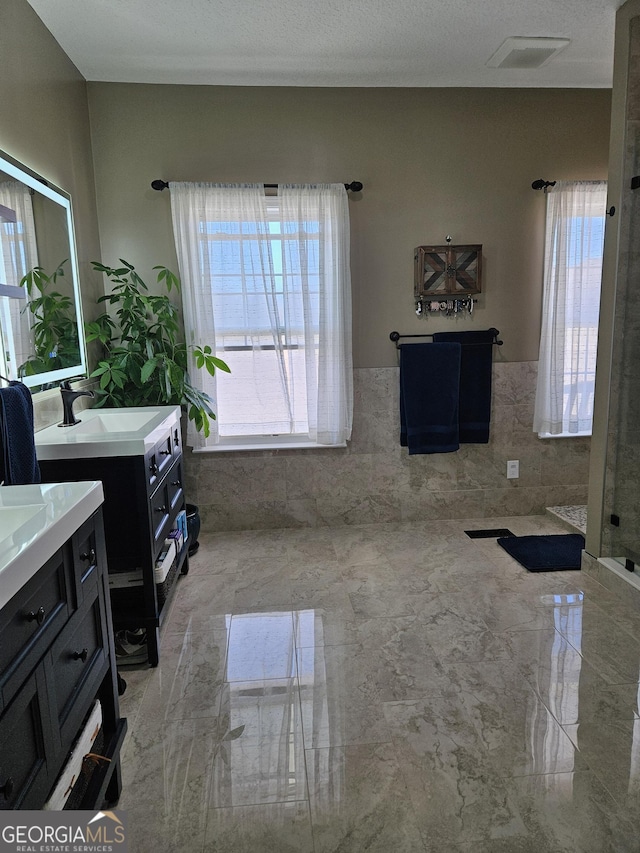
[[16, 516], [35, 521], [19, 523], [109, 422], [108, 432]]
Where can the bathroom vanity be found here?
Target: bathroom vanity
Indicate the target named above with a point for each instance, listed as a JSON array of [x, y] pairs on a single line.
[[57, 659], [137, 454]]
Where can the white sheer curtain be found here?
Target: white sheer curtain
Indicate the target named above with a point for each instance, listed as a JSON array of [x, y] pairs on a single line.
[[266, 283], [18, 254], [571, 304]]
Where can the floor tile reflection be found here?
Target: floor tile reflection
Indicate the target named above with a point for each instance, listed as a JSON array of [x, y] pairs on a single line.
[[385, 687], [274, 828]]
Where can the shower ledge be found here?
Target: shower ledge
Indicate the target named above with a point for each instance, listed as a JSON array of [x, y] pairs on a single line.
[[573, 517]]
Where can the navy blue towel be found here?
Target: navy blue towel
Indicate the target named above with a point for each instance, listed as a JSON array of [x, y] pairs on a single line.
[[429, 379], [18, 461], [475, 383]]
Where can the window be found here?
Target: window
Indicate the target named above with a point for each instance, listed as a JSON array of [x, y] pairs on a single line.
[[18, 254], [266, 283], [571, 303]]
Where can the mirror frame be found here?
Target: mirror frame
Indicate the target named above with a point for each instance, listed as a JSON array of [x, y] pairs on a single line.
[[41, 185]]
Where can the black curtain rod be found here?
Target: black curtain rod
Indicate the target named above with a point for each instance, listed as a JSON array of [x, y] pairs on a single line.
[[354, 186], [395, 337], [541, 184]]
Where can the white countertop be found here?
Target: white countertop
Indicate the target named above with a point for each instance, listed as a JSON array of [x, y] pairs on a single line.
[[107, 432], [34, 522]]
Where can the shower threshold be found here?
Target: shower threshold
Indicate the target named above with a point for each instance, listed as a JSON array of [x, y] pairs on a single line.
[[573, 517]]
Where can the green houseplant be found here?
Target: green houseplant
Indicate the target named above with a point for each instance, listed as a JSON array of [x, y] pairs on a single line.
[[144, 361], [53, 322]]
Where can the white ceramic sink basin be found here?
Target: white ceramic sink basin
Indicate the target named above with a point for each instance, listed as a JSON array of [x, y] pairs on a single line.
[[19, 523], [109, 422], [108, 432], [13, 517]]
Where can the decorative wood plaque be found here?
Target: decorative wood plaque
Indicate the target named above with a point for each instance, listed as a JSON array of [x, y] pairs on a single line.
[[448, 271]]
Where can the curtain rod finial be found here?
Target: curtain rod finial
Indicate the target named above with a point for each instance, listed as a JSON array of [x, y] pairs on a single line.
[[541, 184]]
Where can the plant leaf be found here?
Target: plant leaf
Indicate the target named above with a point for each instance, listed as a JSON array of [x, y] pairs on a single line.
[[147, 369], [234, 734]]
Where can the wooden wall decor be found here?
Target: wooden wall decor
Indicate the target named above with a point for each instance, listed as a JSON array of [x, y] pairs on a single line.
[[447, 271]]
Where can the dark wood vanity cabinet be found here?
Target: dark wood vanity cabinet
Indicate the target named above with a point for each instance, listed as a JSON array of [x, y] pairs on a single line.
[[143, 496], [56, 658]]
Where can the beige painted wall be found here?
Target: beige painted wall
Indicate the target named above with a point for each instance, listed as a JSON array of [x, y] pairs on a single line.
[[44, 123], [433, 162]]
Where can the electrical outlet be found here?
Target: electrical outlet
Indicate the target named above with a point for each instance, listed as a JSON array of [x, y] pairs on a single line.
[[513, 469]]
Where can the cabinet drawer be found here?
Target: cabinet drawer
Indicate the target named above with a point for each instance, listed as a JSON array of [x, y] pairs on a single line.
[[25, 744], [86, 544], [76, 655], [27, 629], [159, 507], [175, 482], [152, 470], [158, 460], [164, 452], [177, 441]]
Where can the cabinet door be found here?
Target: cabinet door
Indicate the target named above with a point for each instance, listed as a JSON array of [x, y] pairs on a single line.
[[447, 271], [25, 747], [32, 619], [77, 661]]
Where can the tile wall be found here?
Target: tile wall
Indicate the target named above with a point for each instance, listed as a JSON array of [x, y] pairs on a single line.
[[375, 480], [622, 457]]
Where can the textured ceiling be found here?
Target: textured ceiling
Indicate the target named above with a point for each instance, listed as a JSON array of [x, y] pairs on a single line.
[[329, 42]]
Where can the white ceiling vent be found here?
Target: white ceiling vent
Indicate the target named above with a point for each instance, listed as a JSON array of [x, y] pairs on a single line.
[[517, 52]]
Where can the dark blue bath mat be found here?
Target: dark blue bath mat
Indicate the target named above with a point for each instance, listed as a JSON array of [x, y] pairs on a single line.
[[545, 553]]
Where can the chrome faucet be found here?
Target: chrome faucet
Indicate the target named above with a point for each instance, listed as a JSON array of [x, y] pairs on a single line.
[[68, 398]]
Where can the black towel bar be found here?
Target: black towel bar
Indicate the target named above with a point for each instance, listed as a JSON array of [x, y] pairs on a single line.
[[395, 337]]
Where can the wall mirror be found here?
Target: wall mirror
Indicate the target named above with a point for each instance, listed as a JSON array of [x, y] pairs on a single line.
[[41, 330]]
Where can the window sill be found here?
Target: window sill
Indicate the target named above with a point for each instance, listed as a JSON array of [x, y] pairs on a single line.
[[545, 435], [249, 443]]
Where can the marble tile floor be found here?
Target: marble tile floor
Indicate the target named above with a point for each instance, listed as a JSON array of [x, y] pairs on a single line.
[[392, 687]]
